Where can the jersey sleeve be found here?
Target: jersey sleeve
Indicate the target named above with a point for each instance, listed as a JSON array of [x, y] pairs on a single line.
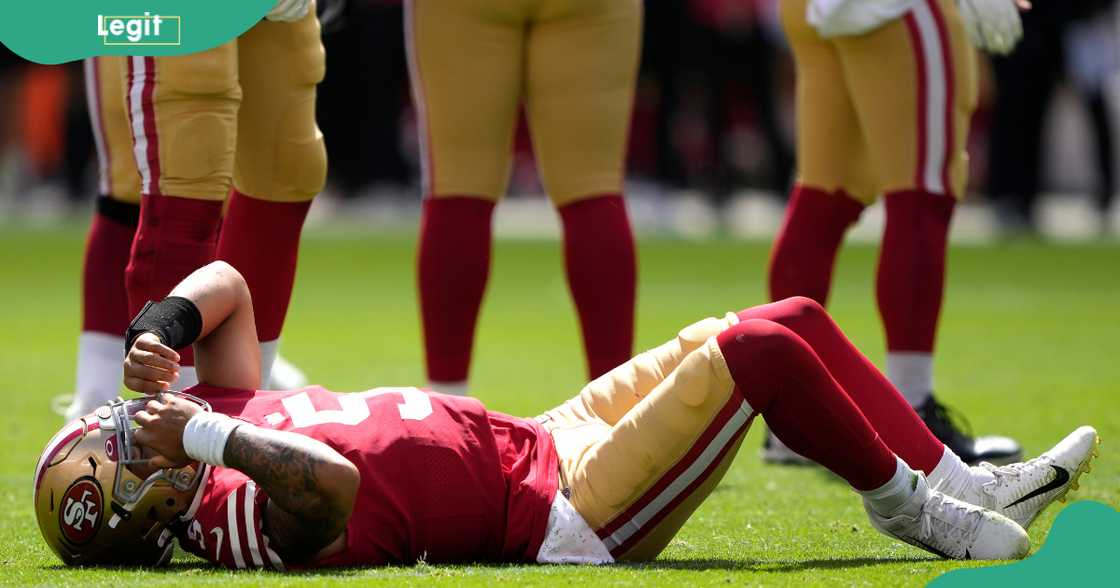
[[227, 528]]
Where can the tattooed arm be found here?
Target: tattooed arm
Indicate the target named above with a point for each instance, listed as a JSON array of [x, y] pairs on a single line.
[[311, 489]]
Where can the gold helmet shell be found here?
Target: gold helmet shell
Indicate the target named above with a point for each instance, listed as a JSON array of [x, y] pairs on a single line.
[[92, 509]]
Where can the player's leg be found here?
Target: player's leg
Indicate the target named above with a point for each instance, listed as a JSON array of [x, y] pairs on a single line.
[[465, 63], [886, 410], [104, 300], [606, 399], [280, 166], [834, 179], [582, 66], [183, 117], [913, 82], [641, 480]]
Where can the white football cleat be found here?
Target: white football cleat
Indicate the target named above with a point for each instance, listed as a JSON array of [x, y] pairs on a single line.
[[951, 528], [1021, 491]]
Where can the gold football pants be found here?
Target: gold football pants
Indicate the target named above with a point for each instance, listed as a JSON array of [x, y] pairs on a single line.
[[571, 63], [116, 168], [888, 110], [643, 445], [240, 114]]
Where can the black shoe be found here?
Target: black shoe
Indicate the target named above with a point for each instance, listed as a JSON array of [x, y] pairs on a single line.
[[993, 449]]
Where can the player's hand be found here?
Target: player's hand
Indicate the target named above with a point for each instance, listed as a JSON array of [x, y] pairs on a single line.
[[994, 25], [150, 366], [161, 429], [288, 10]]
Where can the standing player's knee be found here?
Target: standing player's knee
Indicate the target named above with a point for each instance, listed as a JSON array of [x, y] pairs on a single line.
[[302, 170], [197, 104]]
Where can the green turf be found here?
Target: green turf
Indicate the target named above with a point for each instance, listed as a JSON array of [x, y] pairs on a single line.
[[1028, 348]]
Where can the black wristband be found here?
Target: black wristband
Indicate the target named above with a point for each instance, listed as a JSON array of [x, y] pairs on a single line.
[[175, 320]]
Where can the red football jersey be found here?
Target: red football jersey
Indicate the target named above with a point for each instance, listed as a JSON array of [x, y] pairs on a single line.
[[442, 478]]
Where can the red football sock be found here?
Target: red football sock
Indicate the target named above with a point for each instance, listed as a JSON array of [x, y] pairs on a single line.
[[803, 405], [104, 299], [175, 237], [805, 250], [454, 264], [261, 239], [911, 274], [602, 274], [887, 411]]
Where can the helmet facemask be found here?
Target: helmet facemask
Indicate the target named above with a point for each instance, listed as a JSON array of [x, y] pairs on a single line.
[[120, 417]]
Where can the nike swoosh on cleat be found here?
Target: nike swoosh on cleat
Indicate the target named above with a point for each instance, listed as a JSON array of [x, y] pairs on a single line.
[[934, 550], [1060, 479]]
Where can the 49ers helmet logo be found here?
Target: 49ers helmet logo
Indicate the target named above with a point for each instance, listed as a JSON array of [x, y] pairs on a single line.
[[79, 512]]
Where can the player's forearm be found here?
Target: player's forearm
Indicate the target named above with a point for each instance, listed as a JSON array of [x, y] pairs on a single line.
[[311, 487], [218, 290]]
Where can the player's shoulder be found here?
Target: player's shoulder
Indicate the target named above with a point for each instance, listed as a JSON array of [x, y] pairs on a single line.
[[225, 523]]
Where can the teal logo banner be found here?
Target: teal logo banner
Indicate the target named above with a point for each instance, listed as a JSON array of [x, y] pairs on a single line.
[[1081, 549], [57, 31]]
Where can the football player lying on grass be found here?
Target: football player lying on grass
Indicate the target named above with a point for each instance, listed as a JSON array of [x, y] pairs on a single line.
[[249, 478]]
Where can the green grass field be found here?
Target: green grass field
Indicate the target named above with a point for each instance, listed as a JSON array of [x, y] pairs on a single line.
[[1028, 347]]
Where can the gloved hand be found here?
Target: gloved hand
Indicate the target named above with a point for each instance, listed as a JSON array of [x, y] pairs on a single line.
[[288, 10], [993, 25]]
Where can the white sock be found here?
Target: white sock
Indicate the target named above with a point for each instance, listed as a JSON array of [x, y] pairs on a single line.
[[452, 388], [269, 351], [912, 374], [188, 377], [100, 371], [955, 478], [890, 497]]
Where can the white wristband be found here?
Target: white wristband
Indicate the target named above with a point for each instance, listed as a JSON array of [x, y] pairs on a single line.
[[205, 436]]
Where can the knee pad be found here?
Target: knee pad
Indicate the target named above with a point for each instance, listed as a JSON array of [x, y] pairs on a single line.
[[701, 374], [301, 159], [281, 155], [694, 335], [196, 102], [295, 168]]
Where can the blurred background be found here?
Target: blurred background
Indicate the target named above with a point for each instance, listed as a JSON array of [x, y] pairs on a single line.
[[711, 149]]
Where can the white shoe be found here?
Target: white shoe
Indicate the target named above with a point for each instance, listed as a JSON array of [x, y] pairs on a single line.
[[286, 376], [1021, 491], [953, 529], [776, 452]]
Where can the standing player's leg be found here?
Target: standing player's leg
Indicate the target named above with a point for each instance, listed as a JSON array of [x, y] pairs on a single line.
[[639, 480], [917, 139], [834, 176], [104, 300], [835, 179], [281, 165], [183, 117], [582, 66], [466, 64]]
